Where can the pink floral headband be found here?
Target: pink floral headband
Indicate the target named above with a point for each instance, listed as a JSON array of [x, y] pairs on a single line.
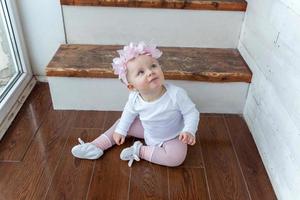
[[128, 53]]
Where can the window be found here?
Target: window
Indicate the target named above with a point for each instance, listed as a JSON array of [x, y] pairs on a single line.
[[15, 74], [10, 66]]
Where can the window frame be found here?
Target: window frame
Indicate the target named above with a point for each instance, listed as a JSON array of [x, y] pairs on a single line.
[[14, 98]]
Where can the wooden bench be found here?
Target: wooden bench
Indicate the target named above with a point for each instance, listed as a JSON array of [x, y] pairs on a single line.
[[81, 77], [233, 5], [194, 64]]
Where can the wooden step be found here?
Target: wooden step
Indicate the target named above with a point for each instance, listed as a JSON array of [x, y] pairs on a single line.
[[194, 64], [233, 5]]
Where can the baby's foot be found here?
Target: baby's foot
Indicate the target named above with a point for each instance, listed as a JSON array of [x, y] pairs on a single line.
[[86, 151], [131, 153]]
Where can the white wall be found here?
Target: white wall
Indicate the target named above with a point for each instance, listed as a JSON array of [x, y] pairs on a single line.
[[165, 27], [43, 30], [270, 44]]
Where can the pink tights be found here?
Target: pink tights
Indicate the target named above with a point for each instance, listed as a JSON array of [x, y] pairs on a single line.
[[172, 153]]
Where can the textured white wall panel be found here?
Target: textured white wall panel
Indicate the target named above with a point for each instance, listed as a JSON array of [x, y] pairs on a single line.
[[269, 44], [294, 5]]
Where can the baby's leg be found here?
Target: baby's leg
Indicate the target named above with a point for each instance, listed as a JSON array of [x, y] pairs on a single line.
[[171, 154], [105, 140]]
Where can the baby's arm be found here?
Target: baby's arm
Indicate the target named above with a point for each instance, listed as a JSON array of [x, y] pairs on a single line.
[[190, 116], [123, 126], [128, 116]]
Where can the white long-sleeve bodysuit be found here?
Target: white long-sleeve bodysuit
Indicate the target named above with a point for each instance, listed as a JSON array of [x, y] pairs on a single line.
[[162, 119]]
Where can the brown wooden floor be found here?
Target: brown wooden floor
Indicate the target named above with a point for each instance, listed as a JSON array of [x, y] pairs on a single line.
[[36, 163]]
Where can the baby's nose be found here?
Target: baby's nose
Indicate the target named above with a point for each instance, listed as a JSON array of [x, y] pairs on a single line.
[[149, 72]]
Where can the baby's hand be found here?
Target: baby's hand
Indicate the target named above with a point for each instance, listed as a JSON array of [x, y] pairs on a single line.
[[187, 138], [118, 138]]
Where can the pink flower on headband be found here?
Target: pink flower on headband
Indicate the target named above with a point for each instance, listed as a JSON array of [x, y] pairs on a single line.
[[130, 52]]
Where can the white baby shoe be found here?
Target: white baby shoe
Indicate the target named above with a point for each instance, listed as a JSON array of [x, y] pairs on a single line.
[[86, 151], [131, 153]]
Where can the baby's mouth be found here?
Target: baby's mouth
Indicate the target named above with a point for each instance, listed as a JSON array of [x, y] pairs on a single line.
[[153, 79]]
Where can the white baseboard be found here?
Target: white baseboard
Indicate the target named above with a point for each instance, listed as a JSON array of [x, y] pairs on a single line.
[[110, 95], [41, 78]]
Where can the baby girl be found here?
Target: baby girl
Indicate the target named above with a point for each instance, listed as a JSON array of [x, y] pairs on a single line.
[[159, 112]]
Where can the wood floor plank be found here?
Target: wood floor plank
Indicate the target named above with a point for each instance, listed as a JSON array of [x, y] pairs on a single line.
[[31, 179], [187, 184], [90, 119], [254, 172], [223, 173], [111, 118], [8, 171], [111, 176], [72, 176], [19, 136], [148, 181], [193, 157], [38, 101]]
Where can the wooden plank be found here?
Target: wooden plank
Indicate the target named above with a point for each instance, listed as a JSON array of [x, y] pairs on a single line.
[[148, 181], [46, 150], [194, 157], [187, 184], [90, 119], [233, 5], [21, 132], [225, 179], [197, 64], [111, 176], [32, 177], [72, 176], [111, 118], [253, 169]]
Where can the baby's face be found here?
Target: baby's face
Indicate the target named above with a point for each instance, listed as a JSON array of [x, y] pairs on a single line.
[[144, 74]]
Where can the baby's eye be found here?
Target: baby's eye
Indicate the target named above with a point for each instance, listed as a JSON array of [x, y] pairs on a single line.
[[140, 73], [153, 65]]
